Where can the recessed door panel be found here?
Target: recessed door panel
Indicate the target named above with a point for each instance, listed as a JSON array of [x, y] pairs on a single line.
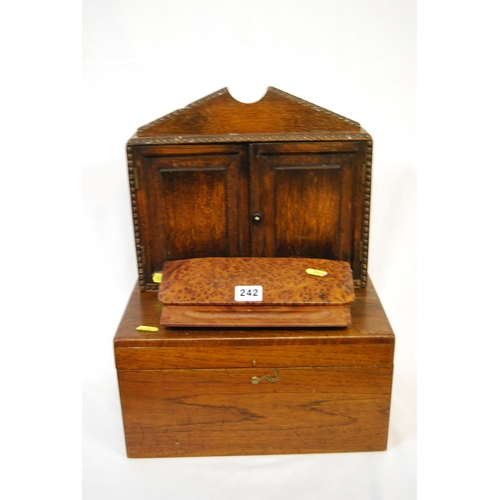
[[192, 203], [308, 197], [305, 228], [194, 209]]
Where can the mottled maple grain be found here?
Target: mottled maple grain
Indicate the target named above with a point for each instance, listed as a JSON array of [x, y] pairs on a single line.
[[211, 281], [201, 292]]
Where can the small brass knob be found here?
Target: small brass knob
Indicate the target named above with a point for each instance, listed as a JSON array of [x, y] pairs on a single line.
[[257, 217]]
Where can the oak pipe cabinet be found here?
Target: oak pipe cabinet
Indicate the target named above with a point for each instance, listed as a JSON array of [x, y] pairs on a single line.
[[277, 178]]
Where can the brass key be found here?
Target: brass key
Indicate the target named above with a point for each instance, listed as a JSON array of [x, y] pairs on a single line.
[[256, 380]]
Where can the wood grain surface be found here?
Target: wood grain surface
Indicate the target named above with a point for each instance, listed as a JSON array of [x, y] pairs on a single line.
[[276, 113], [220, 412], [201, 292], [369, 326], [255, 316], [277, 178], [191, 392], [212, 281]]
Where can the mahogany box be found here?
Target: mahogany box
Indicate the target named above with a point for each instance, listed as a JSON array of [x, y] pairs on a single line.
[[209, 391]]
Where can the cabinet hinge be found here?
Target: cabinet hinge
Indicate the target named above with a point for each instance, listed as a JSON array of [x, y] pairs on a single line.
[[137, 184]]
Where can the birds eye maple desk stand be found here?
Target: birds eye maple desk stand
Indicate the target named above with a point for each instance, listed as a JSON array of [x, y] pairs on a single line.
[[277, 178]]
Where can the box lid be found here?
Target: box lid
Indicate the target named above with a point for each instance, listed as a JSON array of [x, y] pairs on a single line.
[[270, 281], [368, 341]]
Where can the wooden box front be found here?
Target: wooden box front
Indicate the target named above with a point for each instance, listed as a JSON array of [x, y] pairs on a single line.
[[220, 412], [190, 392]]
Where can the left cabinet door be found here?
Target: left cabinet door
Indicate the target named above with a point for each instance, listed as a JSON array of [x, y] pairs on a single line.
[[190, 201]]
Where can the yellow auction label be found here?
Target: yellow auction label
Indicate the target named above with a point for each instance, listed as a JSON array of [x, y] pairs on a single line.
[[143, 328], [316, 272], [157, 277]]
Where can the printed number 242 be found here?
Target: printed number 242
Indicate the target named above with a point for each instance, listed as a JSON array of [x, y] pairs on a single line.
[[248, 293]]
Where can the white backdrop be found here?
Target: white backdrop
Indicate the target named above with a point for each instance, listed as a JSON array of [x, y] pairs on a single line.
[[143, 59]]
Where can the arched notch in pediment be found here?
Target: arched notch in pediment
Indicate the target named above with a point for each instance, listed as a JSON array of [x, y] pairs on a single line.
[[277, 113]]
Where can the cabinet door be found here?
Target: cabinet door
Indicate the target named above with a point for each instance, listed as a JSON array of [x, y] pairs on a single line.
[[308, 197], [192, 201]]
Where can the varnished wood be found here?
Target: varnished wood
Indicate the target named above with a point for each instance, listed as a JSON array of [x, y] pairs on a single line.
[[198, 174], [369, 326], [219, 412], [189, 204], [276, 113], [310, 194], [212, 281], [256, 316], [285, 354], [196, 177], [188, 392], [201, 292]]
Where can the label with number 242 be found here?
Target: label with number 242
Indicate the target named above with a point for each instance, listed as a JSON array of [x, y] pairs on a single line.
[[248, 293]]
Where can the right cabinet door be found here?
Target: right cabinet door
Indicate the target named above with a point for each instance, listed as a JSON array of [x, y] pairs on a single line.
[[307, 200]]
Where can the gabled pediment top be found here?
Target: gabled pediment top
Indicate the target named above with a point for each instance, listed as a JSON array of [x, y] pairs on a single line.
[[219, 116]]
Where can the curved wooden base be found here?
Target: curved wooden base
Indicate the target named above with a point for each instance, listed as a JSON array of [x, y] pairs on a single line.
[[255, 316]]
